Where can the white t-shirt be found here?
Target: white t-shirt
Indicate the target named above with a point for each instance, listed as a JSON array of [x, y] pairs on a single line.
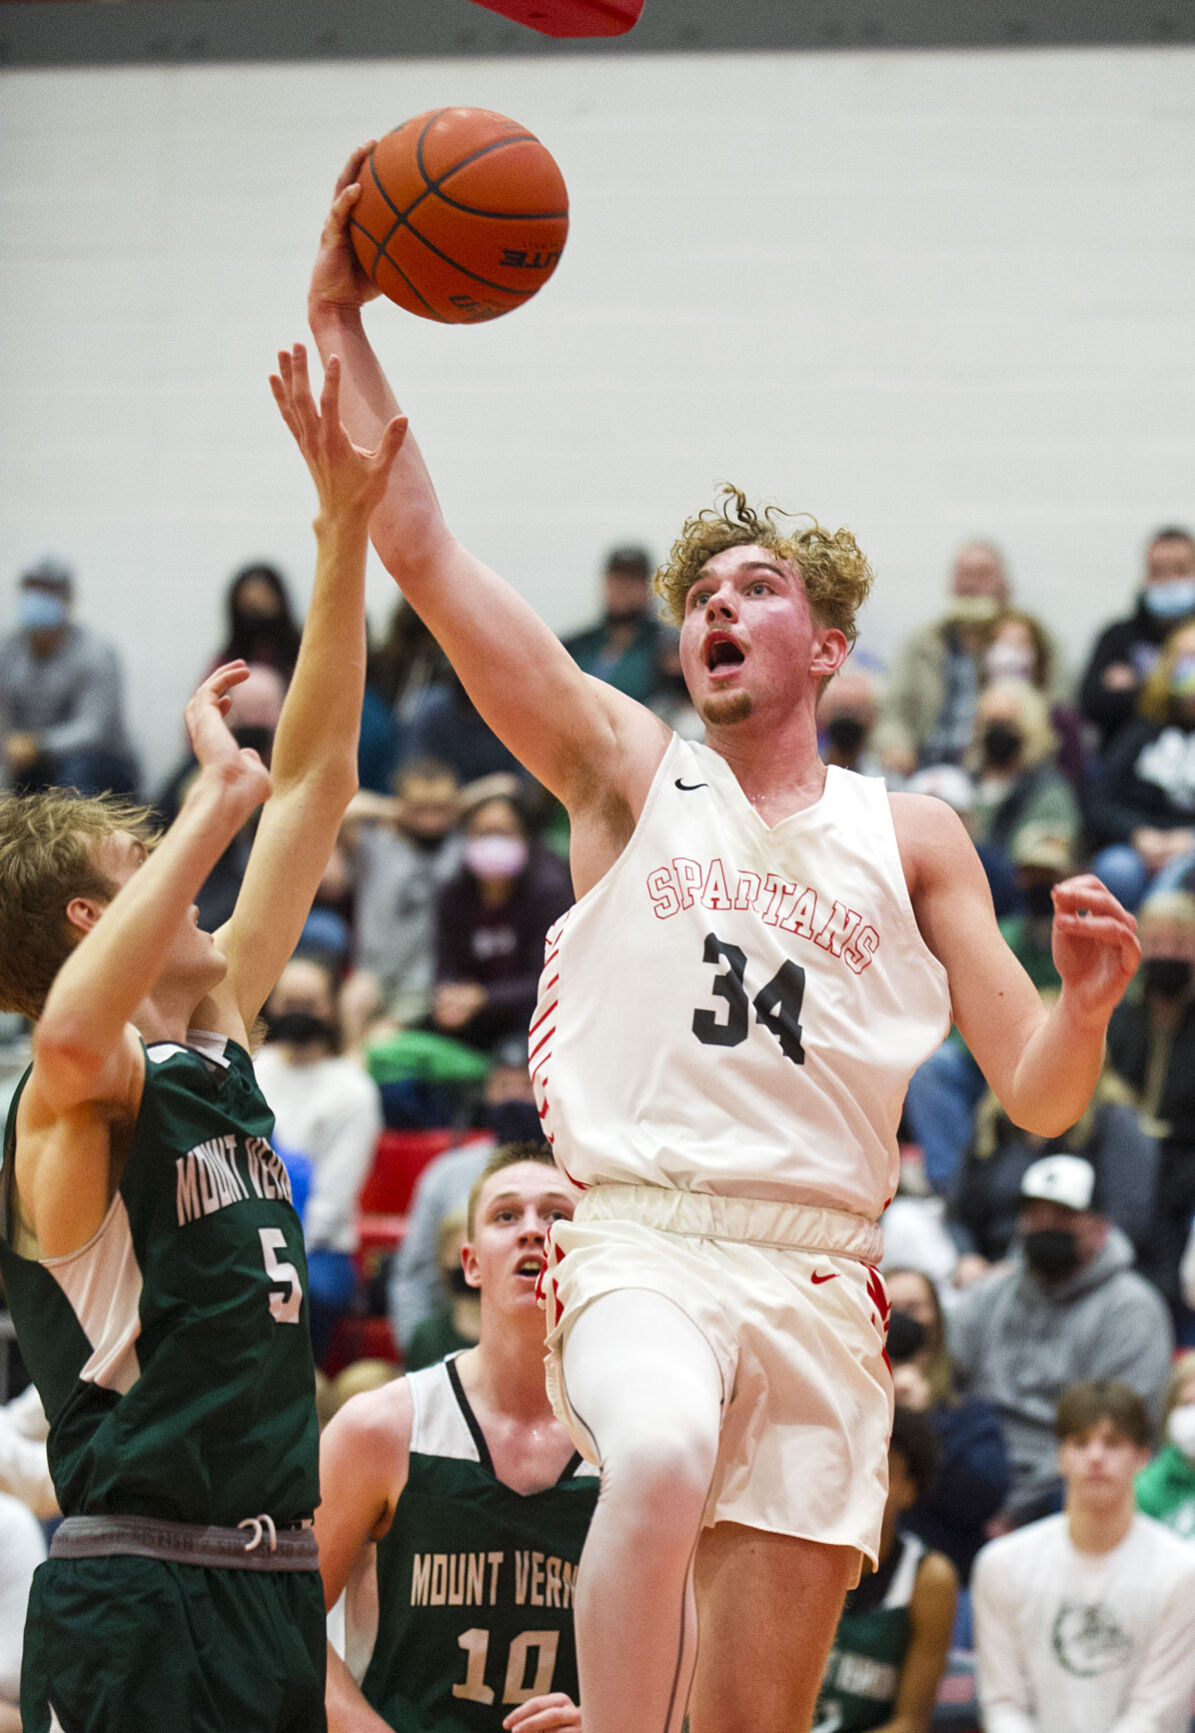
[[1072, 1642], [736, 1007], [331, 1113], [22, 1549]]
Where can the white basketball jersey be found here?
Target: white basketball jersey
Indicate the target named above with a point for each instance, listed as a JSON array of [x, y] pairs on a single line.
[[737, 1008]]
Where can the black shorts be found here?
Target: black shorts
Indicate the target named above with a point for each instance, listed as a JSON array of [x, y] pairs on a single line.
[[138, 1645]]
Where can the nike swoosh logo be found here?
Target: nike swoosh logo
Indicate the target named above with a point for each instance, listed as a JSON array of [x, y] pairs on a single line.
[[690, 787], [818, 1277]]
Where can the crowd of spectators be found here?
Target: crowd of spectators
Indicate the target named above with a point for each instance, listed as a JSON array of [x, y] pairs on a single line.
[[1032, 1266]]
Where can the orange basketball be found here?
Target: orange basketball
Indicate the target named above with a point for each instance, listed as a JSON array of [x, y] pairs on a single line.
[[462, 216]]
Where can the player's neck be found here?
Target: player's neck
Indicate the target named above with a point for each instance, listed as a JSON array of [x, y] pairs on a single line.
[[164, 1015], [1098, 1530], [778, 770], [506, 1369]]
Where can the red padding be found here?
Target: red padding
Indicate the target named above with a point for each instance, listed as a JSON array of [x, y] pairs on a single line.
[[570, 17]]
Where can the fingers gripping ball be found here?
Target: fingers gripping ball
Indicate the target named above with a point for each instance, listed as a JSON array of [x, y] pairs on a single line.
[[462, 216]]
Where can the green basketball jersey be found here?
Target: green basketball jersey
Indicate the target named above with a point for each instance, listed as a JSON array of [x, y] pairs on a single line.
[[172, 1351], [475, 1581], [863, 1673]]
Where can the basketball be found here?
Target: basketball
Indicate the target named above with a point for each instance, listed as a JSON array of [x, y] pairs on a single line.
[[462, 216]]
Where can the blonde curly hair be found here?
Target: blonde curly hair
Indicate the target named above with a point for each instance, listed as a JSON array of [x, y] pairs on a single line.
[[836, 576]]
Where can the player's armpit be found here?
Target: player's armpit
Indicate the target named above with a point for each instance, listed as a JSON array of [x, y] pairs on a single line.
[[364, 1458]]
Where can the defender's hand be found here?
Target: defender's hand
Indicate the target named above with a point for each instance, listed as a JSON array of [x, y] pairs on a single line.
[[547, 1714], [1095, 945], [336, 278], [347, 479], [213, 742]]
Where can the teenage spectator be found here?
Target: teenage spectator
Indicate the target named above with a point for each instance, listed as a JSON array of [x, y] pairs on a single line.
[[1017, 781], [491, 921], [61, 695], [22, 1549], [929, 707], [327, 1116], [456, 1322], [846, 720], [1020, 648], [261, 624], [403, 850], [623, 647], [1125, 652], [1151, 1045], [986, 1202], [1069, 1306], [893, 1637], [1166, 1486], [1085, 1621], [1141, 809], [952, 1511], [508, 1114]]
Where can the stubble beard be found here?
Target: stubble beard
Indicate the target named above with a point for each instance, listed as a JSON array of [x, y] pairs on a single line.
[[722, 708]]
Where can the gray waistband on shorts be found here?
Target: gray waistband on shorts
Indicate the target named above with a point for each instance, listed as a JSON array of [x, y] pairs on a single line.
[[255, 1546], [755, 1221]]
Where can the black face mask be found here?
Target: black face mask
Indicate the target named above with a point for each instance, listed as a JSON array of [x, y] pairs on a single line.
[[1168, 977], [846, 733], [299, 1028], [1051, 1253], [457, 1282], [1001, 744], [1039, 901], [906, 1338], [424, 842], [514, 1122], [260, 739]]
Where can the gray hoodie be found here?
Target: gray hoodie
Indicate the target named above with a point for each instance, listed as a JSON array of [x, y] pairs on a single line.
[[1018, 1343]]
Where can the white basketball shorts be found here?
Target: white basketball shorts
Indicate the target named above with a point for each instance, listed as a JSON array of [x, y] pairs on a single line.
[[791, 1303]]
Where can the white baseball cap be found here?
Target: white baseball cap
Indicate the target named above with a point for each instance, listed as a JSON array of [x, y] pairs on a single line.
[[1064, 1179]]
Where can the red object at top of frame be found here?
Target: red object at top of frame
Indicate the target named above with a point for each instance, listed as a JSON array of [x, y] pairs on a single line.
[[570, 17]]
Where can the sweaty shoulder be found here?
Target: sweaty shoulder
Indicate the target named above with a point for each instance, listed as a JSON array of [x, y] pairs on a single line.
[[378, 1421], [929, 834]]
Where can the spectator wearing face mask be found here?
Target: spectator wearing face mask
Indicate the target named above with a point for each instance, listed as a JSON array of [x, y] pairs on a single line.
[[1151, 1045], [327, 1116], [402, 850], [846, 719], [1020, 648], [491, 921], [928, 712], [1165, 1488], [1017, 781], [261, 624], [1126, 651], [623, 648], [61, 695], [1141, 811], [1069, 1306]]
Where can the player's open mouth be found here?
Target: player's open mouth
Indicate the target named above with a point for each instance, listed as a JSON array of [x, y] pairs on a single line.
[[721, 651], [529, 1267]]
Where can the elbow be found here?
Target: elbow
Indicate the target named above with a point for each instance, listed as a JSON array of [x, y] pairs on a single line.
[[67, 1050]]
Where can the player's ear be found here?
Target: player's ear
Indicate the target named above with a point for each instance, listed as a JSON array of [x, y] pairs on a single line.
[[84, 912], [470, 1266], [830, 651]]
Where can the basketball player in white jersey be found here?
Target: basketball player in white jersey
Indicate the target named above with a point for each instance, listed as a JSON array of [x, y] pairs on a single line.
[[761, 953]]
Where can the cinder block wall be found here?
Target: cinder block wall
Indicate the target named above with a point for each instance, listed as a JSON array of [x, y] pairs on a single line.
[[930, 295]]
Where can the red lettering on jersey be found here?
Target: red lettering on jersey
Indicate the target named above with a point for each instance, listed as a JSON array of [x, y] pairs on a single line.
[[801, 917], [840, 928], [775, 888], [663, 896], [746, 891], [715, 892], [689, 877], [862, 951]]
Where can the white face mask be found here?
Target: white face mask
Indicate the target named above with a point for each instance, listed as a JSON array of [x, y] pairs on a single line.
[[1008, 662], [496, 856], [1180, 1429]]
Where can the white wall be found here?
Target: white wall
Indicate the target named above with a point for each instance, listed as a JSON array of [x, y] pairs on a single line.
[[929, 295]]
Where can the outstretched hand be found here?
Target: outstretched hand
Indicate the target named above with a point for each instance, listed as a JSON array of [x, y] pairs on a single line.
[[1095, 945], [213, 742], [336, 277], [348, 480]]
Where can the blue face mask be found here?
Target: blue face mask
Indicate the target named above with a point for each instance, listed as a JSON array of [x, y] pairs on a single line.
[[39, 609], [1171, 600]]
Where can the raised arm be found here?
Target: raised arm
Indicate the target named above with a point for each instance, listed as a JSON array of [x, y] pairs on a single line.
[[570, 731], [1042, 1064], [314, 759]]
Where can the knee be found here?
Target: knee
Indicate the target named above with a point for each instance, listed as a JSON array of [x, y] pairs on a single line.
[[661, 1471]]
